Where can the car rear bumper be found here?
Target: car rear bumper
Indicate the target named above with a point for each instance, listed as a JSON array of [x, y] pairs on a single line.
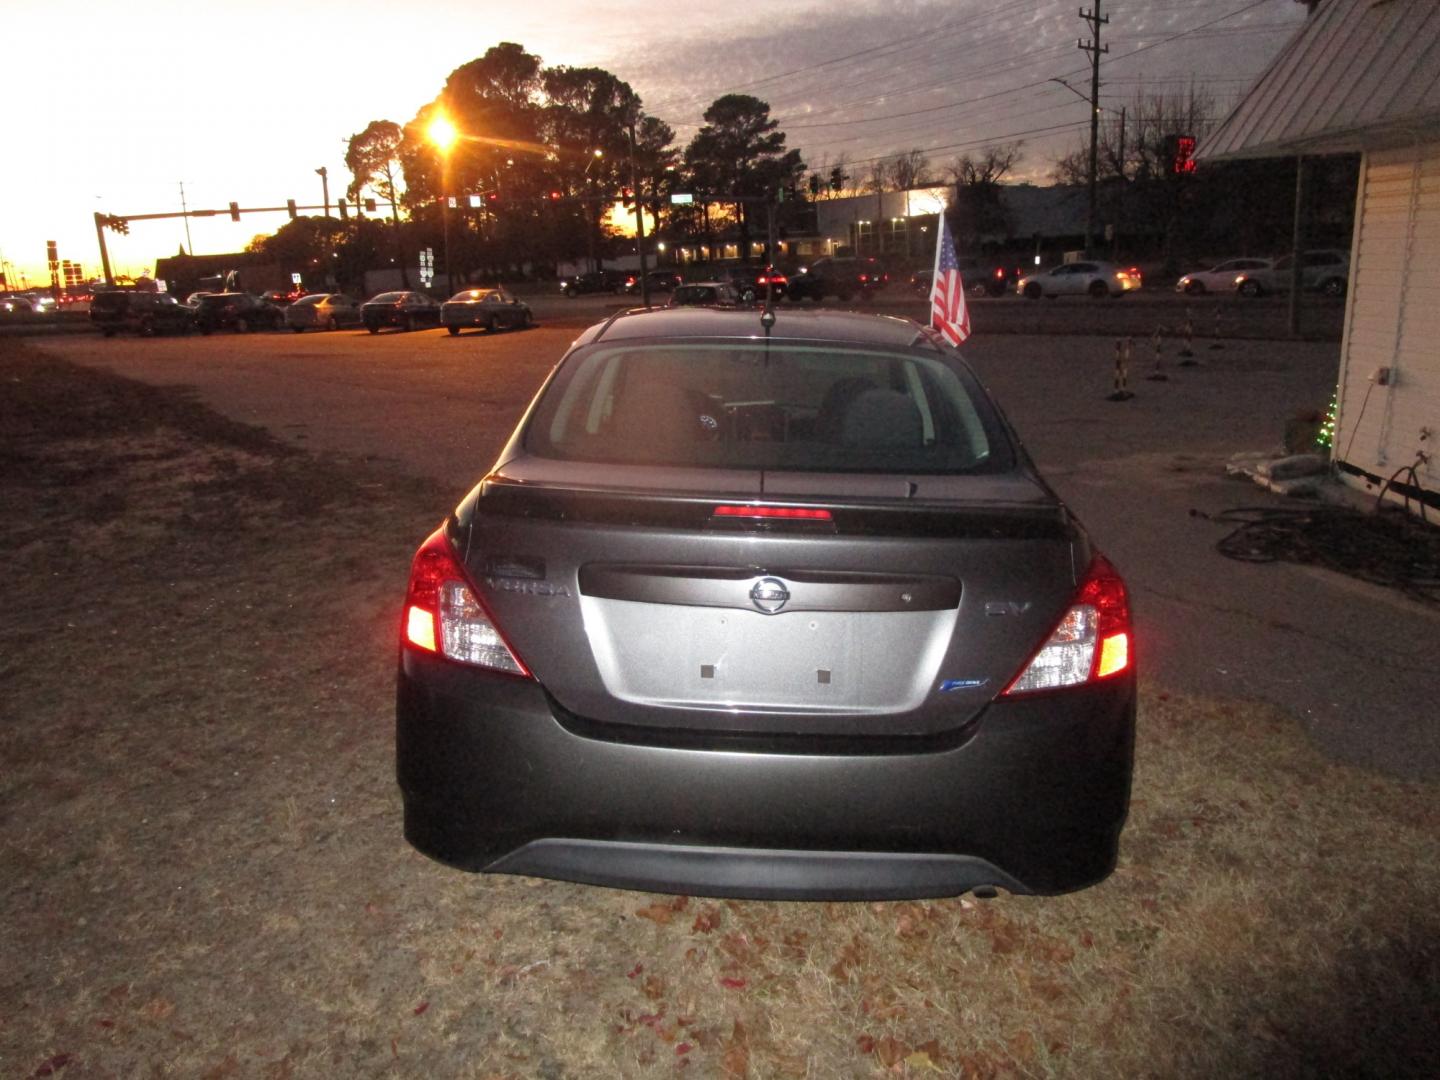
[[495, 777]]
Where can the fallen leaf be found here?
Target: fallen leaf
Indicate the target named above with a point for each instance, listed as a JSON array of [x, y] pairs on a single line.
[[636, 970], [735, 1061], [706, 919], [157, 1008], [732, 984], [660, 914], [653, 987], [890, 1051], [421, 1007], [919, 1059], [866, 1044], [683, 1048], [49, 1068]]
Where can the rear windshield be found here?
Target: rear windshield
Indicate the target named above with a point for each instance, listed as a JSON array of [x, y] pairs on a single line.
[[792, 407], [387, 298]]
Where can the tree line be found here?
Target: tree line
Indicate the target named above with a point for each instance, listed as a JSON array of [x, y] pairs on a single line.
[[544, 152]]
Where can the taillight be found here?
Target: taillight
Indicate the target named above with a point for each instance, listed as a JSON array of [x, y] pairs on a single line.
[[1091, 642], [444, 615], [773, 513]]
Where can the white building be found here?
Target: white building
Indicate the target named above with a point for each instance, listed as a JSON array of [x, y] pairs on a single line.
[[1364, 76]]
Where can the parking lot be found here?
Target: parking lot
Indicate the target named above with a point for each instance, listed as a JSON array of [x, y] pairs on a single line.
[[203, 866]]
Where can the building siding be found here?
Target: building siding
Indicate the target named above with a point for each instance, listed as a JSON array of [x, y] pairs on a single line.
[[1394, 321]]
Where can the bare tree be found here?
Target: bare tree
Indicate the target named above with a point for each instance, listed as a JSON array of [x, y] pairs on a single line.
[[978, 210]]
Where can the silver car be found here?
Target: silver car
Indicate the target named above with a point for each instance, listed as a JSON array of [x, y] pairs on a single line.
[[485, 309], [322, 311], [770, 606], [1326, 271], [1086, 278]]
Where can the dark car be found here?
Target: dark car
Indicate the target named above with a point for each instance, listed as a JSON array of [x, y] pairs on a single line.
[[143, 313], [844, 277], [595, 281], [405, 309], [766, 606], [662, 281], [981, 278], [486, 309], [27, 306], [750, 282], [236, 311], [704, 294]]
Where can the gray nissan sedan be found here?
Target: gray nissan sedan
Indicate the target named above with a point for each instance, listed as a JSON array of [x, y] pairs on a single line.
[[763, 605]]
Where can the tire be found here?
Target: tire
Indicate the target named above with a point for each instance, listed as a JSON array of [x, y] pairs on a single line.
[[843, 296], [748, 295], [298, 329], [374, 328], [978, 289], [1333, 287], [107, 332], [1098, 290], [409, 324], [1250, 287], [242, 325], [454, 331], [329, 323], [1033, 291], [1195, 288], [528, 321], [146, 328]]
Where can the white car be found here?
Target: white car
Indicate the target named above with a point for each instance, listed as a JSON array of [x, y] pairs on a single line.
[[1087, 278], [1326, 271], [1221, 277]]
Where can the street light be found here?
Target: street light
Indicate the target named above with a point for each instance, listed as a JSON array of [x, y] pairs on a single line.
[[442, 135], [591, 228]]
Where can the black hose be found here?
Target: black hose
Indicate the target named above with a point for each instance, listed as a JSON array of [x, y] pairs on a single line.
[[1384, 546]]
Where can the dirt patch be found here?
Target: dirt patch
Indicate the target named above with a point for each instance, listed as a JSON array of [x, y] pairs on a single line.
[[202, 870]]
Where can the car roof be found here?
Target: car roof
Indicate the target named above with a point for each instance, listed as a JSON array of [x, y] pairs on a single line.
[[682, 322]]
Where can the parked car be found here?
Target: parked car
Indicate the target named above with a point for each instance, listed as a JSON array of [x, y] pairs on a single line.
[[844, 277], [981, 277], [704, 294], [322, 311], [1221, 277], [660, 281], [406, 310], [1325, 270], [700, 629], [595, 281], [236, 311], [751, 281], [488, 309], [143, 313], [1086, 278]]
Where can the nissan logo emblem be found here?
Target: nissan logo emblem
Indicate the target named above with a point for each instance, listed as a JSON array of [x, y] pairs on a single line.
[[769, 595]]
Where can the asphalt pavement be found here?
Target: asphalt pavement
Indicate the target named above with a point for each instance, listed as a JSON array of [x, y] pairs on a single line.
[[1353, 662]]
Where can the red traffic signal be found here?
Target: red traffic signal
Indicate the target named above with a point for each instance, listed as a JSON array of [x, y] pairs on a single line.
[[555, 195], [1184, 160]]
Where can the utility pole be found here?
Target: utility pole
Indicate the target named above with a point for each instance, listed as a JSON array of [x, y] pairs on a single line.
[[1094, 48], [639, 223], [189, 247], [324, 175]]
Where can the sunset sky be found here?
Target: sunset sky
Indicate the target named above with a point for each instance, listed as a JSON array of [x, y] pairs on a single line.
[[112, 106]]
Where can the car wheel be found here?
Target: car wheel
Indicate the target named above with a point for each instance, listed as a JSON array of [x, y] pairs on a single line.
[[1033, 291], [147, 328], [298, 329], [844, 296], [528, 321], [242, 325], [1333, 287], [409, 324], [454, 331], [1098, 290], [108, 332], [1251, 287], [979, 288], [374, 328], [1194, 288], [748, 295]]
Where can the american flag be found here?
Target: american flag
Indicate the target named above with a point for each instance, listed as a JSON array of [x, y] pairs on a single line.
[[948, 312]]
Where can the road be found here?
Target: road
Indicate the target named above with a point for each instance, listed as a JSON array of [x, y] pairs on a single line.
[[1351, 661]]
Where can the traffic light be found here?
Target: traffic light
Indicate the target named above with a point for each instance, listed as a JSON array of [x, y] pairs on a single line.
[[1182, 158], [344, 213], [234, 211], [556, 196], [814, 184], [837, 179], [492, 197], [370, 206], [290, 208]]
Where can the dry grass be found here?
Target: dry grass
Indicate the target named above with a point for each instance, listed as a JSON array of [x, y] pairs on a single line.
[[202, 871]]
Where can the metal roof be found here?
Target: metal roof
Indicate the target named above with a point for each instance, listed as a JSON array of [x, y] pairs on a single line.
[[1358, 75]]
